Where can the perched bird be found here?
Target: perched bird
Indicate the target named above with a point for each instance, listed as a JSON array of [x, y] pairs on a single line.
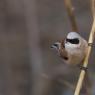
[[72, 49]]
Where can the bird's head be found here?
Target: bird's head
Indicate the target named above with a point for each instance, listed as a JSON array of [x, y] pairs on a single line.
[[73, 40]]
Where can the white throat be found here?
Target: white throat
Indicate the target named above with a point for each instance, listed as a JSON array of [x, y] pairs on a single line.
[[72, 48]]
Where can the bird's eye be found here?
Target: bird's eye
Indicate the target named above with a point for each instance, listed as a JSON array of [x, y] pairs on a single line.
[[73, 41]]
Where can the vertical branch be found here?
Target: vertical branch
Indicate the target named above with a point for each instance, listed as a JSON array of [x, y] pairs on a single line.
[[93, 7], [9, 83], [38, 82], [71, 15], [85, 63]]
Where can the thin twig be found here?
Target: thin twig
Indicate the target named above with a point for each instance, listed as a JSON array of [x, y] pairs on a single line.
[[85, 63], [67, 84], [71, 15], [64, 82]]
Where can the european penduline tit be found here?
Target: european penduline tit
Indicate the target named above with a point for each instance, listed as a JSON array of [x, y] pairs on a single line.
[[72, 50]]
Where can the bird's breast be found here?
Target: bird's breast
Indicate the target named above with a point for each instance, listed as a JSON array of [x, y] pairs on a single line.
[[75, 55]]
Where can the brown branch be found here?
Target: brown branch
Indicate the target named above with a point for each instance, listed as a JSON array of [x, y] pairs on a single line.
[[70, 11], [85, 63]]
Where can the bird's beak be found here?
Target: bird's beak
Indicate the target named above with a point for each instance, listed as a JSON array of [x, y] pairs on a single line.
[[55, 45]]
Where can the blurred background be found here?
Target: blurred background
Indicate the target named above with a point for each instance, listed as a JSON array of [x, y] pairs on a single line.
[[27, 30]]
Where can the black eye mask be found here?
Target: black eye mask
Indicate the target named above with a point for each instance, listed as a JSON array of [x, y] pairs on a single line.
[[73, 41]]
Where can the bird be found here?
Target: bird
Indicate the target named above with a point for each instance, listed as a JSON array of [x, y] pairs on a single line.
[[72, 49]]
